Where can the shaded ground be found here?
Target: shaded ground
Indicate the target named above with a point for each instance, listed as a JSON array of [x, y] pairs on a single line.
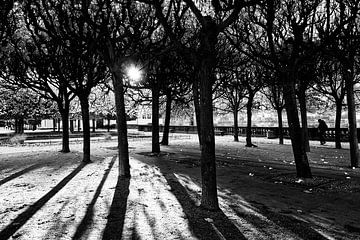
[[45, 194]]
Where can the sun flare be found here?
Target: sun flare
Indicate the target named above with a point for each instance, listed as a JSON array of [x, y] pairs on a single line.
[[133, 73]]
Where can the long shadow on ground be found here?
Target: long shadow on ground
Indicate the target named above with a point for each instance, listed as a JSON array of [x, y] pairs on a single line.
[[19, 173], [299, 228], [201, 228], [20, 220], [87, 220], [116, 217]]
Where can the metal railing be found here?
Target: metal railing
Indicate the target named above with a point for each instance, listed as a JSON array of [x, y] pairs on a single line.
[[270, 132]]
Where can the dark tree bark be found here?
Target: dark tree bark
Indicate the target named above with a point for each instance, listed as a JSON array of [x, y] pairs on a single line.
[[249, 107], [304, 124], [280, 127], [124, 165], [54, 125], [79, 123], [236, 124], [108, 124], [19, 125], [353, 139], [165, 139], [65, 131], [59, 124], [287, 65], [207, 62], [301, 160], [64, 109], [197, 108], [84, 102], [16, 125], [155, 117], [71, 126], [338, 124]]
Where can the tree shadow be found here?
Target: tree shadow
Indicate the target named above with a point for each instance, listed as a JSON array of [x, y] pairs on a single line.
[[21, 219], [116, 217], [88, 218], [19, 173], [199, 218], [59, 227], [300, 228]]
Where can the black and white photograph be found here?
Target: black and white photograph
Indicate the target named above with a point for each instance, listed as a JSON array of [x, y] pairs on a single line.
[[179, 119]]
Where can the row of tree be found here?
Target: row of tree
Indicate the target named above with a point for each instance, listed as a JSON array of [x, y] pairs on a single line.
[[191, 50]]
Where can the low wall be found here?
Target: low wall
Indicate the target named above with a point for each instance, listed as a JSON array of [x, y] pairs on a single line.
[[270, 132]]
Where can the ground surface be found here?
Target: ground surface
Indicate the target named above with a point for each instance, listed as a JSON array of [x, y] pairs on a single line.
[[45, 194]]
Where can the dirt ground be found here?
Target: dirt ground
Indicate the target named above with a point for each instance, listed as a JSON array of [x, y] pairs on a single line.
[[45, 194]]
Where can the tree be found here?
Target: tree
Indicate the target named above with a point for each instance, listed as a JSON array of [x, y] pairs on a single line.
[[6, 23], [78, 59], [306, 78], [204, 58], [33, 60], [123, 29], [232, 91], [274, 93], [175, 87], [102, 103], [282, 26], [330, 83], [339, 31], [231, 99], [253, 80], [22, 105], [84, 75]]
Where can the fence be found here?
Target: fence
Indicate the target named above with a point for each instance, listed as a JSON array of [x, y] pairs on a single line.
[[270, 132]]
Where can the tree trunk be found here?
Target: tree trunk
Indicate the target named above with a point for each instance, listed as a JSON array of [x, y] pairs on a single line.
[[54, 125], [84, 102], [303, 113], [353, 140], [71, 126], [65, 131], [16, 125], [280, 127], [108, 125], [249, 107], [236, 124], [123, 145], [19, 125], [338, 124], [165, 139], [207, 62], [93, 125], [155, 117], [196, 95], [59, 125], [79, 123], [301, 160]]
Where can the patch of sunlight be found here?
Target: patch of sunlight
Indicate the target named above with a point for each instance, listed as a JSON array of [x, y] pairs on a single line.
[[57, 211], [326, 236], [323, 225], [153, 210], [193, 189], [249, 220]]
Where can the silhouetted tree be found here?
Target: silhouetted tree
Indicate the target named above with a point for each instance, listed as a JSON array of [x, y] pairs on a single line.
[[339, 31], [274, 93], [77, 58], [204, 58], [330, 83]]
